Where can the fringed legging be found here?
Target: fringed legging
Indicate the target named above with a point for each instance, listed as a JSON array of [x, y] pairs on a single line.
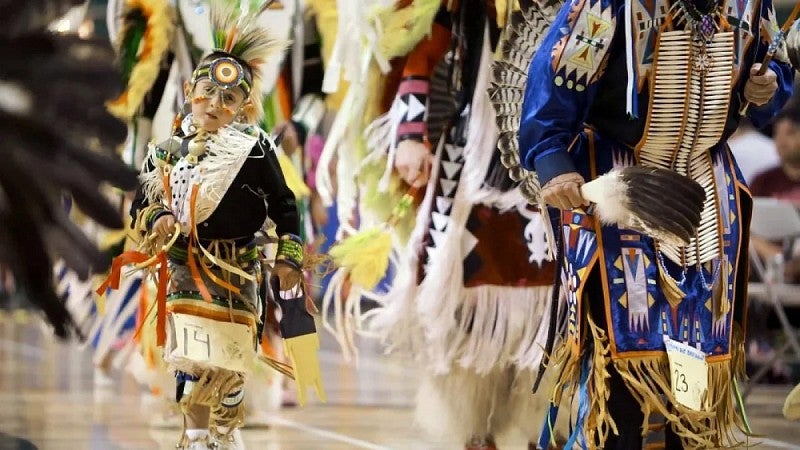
[[622, 405]]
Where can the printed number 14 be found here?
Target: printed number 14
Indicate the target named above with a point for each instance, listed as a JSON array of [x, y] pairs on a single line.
[[196, 338]]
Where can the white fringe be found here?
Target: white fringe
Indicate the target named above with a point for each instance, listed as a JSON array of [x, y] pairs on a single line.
[[488, 327], [482, 130], [482, 143], [343, 329], [454, 407], [151, 181], [443, 306], [342, 143], [381, 137], [226, 153], [395, 321]]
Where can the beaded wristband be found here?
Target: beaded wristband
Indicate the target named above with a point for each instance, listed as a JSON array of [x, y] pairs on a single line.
[[290, 251], [154, 215]]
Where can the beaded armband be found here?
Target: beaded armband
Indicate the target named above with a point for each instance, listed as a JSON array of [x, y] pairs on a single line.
[[413, 97], [290, 251], [154, 215]]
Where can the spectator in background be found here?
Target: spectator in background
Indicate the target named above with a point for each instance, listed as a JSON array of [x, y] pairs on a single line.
[[782, 181]]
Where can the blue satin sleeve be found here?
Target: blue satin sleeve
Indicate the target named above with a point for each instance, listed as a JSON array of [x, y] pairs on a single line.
[[558, 94], [762, 115]]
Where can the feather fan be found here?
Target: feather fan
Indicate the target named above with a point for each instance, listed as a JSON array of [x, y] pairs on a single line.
[[56, 138]]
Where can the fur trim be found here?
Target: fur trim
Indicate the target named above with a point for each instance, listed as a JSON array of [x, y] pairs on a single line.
[[610, 195]]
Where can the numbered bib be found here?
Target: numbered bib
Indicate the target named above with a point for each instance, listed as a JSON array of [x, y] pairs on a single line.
[[688, 373], [222, 344]]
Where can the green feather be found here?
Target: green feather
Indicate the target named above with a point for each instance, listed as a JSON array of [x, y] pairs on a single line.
[[135, 25]]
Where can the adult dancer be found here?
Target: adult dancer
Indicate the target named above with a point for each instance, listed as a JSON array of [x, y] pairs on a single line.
[[472, 296], [657, 84]]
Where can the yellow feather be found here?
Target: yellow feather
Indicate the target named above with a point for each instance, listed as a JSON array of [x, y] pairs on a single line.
[[365, 255], [404, 28], [293, 178]]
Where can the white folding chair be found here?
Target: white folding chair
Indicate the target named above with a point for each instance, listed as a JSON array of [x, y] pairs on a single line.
[[777, 221]]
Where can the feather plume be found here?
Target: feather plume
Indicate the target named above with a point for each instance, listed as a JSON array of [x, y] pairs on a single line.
[[404, 27], [134, 25], [144, 40], [239, 34], [521, 38]]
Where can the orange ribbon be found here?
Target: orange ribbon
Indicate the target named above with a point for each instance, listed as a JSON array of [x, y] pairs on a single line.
[[134, 257], [198, 280], [193, 264], [112, 281]]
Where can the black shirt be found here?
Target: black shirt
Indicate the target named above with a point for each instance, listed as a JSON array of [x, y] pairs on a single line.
[[243, 209]]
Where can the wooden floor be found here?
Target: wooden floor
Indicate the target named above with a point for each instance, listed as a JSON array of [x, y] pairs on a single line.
[[47, 397]]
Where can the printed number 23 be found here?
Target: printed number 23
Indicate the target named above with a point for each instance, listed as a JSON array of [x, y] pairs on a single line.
[[680, 382]]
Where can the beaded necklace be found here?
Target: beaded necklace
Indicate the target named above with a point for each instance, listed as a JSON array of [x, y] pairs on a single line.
[[703, 26]]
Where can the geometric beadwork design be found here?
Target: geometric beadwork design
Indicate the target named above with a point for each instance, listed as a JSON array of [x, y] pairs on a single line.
[[578, 55]]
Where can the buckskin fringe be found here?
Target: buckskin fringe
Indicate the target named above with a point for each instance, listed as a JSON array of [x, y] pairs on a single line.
[[715, 427]]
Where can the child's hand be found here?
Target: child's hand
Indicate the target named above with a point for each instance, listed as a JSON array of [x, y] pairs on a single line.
[[289, 276], [164, 226], [290, 141]]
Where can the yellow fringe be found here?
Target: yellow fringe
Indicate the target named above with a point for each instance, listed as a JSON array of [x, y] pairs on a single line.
[[154, 45], [599, 423], [714, 427], [212, 387], [566, 362], [738, 353]]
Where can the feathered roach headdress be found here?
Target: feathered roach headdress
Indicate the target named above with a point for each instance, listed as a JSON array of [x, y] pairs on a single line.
[[241, 46]]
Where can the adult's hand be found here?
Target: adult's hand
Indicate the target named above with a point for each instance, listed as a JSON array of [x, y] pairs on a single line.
[[564, 191], [413, 162], [759, 89]]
